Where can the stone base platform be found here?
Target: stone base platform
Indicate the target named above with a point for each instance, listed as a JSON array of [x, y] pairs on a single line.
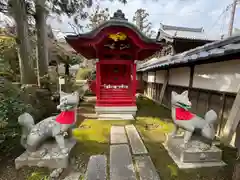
[[53, 159], [116, 113], [193, 156]]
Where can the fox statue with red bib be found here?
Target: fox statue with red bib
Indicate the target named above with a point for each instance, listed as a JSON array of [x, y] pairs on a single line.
[[190, 122], [33, 135]]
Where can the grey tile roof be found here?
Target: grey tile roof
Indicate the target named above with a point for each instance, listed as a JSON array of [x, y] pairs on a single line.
[[174, 32], [227, 46]]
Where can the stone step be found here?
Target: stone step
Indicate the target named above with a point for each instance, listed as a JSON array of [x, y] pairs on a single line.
[[136, 142], [146, 168], [73, 176], [97, 168], [118, 135], [115, 117], [121, 165]]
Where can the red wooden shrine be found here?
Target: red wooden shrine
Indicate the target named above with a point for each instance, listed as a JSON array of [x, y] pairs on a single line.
[[116, 44]]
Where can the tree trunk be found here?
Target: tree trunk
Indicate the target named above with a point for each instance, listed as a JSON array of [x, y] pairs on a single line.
[[42, 43], [67, 72], [26, 67]]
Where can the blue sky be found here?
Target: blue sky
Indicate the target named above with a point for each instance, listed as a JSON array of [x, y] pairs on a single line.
[[189, 13]]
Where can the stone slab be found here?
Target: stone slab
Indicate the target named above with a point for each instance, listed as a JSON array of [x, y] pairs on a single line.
[[97, 168], [193, 154], [116, 109], [192, 157], [136, 142], [118, 135], [115, 117], [73, 176], [146, 168], [121, 165], [53, 159]]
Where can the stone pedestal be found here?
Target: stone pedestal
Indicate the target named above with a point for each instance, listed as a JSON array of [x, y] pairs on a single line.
[[193, 156], [53, 159]]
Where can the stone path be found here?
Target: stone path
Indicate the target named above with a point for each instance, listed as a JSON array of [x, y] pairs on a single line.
[[118, 135], [146, 168], [97, 168], [135, 140], [121, 165], [125, 165]]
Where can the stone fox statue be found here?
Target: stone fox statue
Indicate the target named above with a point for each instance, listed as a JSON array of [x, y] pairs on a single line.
[[56, 126], [190, 122]]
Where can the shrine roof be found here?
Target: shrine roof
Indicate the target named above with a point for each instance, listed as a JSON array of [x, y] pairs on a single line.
[[86, 43], [112, 23], [228, 46], [175, 32]]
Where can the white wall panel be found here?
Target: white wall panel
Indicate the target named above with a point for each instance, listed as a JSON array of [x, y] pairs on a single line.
[[220, 76], [151, 76], [160, 76], [179, 76]]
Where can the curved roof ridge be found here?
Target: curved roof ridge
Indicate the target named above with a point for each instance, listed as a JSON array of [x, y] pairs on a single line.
[[178, 28]]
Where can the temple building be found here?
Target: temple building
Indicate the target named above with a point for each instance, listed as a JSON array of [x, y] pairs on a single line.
[[117, 45]]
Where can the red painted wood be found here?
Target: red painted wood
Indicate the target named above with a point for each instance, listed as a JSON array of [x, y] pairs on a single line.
[[87, 46], [115, 61], [98, 80], [134, 80]]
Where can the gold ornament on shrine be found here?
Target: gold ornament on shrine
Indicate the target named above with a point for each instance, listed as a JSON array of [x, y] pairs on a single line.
[[118, 36]]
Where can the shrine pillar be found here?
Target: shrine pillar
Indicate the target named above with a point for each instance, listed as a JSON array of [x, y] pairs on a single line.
[[98, 80], [134, 81]]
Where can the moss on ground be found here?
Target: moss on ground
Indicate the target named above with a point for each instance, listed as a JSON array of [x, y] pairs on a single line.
[[152, 121]]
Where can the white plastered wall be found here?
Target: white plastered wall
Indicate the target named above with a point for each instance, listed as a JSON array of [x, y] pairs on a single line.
[[151, 77], [220, 76], [160, 76], [179, 76]]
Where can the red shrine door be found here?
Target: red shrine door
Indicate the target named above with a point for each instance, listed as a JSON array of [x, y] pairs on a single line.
[[116, 83], [115, 74]]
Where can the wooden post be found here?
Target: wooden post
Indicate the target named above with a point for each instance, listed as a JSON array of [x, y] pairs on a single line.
[[164, 86], [98, 82], [191, 77], [134, 79], [155, 86], [233, 120], [221, 112]]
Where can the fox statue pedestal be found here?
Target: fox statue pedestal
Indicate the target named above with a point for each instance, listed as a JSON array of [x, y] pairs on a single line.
[[40, 152], [192, 151], [193, 156]]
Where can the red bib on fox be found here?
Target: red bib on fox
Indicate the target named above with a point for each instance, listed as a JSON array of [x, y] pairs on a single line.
[[182, 114], [66, 117]]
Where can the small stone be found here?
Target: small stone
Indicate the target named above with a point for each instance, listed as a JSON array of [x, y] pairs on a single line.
[[56, 173], [73, 176]]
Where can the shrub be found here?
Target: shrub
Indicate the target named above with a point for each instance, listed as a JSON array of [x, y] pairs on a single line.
[[83, 73], [11, 107]]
